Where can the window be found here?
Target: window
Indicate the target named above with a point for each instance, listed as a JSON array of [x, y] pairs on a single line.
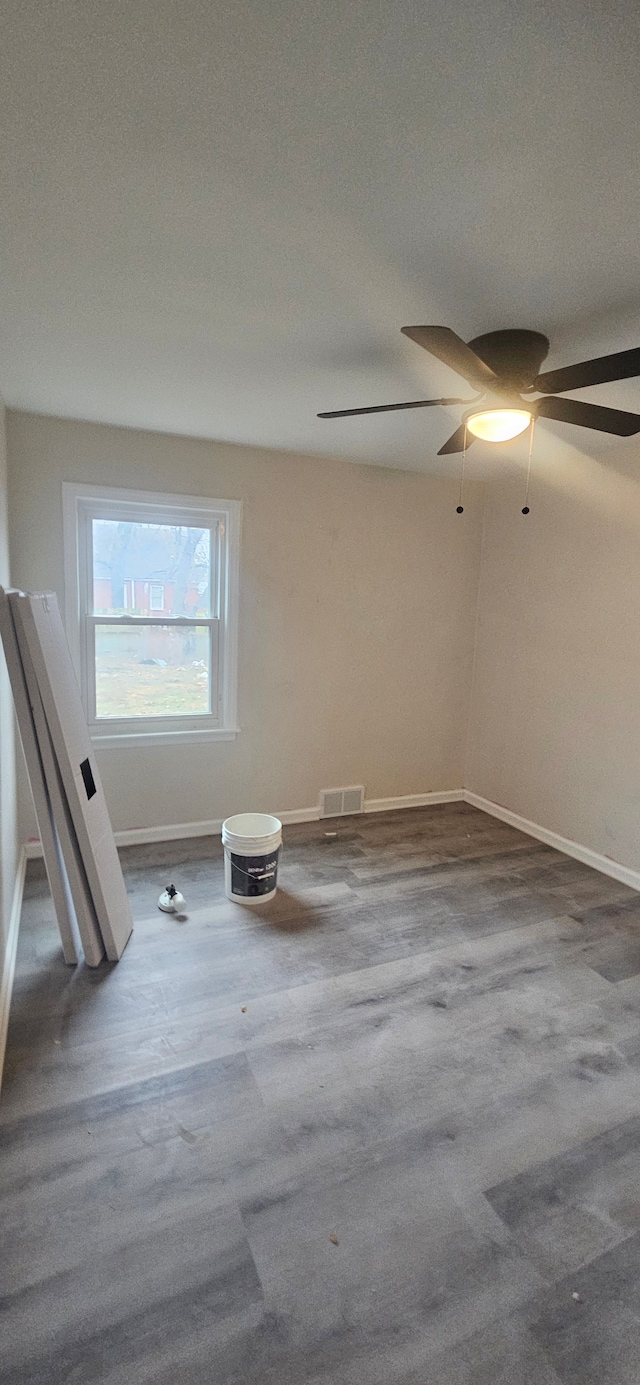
[[151, 608]]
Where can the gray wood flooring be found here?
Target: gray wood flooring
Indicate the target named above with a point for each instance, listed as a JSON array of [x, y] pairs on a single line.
[[381, 1132]]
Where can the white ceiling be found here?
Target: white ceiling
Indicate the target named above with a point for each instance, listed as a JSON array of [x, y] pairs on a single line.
[[217, 216]]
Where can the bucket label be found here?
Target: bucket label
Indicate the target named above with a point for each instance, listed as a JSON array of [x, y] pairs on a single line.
[[252, 876]]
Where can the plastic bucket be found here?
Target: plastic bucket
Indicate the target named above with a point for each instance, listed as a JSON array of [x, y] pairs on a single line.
[[251, 844]]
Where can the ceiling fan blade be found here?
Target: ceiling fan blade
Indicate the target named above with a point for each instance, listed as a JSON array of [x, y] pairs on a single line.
[[451, 349], [387, 408], [602, 369], [456, 442], [588, 415]]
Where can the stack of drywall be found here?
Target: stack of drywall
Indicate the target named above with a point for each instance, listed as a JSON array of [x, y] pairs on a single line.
[[77, 840]]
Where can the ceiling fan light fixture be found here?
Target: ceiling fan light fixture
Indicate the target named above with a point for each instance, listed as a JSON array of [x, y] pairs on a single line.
[[498, 425], [502, 366]]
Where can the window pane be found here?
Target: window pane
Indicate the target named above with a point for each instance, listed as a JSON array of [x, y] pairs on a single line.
[[142, 569], [152, 671]]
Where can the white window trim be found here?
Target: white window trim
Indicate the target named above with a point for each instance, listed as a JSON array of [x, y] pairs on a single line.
[[167, 508]]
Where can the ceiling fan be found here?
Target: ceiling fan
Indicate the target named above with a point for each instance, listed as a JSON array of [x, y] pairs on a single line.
[[503, 366]]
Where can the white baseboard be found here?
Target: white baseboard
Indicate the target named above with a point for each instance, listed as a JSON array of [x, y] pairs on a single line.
[[171, 832], [177, 831], [9, 964], [298, 815], [605, 864], [174, 832], [413, 800]]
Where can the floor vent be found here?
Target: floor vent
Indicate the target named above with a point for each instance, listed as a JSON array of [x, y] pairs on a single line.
[[336, 803]]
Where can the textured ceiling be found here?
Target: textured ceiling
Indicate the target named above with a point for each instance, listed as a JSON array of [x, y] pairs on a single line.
[[217, 216]]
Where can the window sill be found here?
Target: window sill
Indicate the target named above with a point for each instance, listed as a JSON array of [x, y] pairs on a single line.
[[119, 740]]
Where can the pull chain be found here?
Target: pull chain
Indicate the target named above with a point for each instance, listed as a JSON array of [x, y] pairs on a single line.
[[460, 506], [525, 508]]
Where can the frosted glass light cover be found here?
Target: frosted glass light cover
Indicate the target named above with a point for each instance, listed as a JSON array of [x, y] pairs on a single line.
[[498, 425]]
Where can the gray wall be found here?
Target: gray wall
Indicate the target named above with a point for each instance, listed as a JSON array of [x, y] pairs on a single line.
[[555, 727], [8, 835], [357, 626], [357, 615]]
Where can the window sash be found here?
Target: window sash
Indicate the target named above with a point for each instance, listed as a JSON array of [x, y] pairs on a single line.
[[157, 619], [172, 721], [132, 513]]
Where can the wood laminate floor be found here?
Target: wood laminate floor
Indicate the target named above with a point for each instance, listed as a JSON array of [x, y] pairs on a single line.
[[381, 1132]]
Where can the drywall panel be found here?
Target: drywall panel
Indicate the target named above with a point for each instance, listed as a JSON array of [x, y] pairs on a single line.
[[74, 870], [51, 848], [39, 618]]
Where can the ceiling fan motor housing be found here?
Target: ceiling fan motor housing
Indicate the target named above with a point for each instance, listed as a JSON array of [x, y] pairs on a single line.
[[515, 355]]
